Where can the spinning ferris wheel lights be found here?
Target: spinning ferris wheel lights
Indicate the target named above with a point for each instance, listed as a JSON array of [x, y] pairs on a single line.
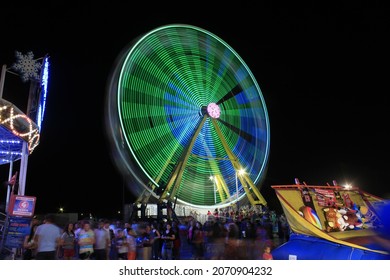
[[183, 104]]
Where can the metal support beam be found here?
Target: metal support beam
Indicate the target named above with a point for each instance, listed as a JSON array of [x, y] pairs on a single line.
[[252, 192], [175, 179]]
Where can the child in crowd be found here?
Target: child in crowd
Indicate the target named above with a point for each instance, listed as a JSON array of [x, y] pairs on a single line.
[[267, 253]]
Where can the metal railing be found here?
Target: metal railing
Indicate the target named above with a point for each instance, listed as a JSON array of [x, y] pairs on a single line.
[[5, 252]]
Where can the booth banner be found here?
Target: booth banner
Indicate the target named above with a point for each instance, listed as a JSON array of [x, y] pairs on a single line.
[[22, 206], [18, 228]]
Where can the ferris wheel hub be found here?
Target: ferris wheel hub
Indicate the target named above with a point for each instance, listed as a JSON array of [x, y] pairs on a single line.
[[213, 110]]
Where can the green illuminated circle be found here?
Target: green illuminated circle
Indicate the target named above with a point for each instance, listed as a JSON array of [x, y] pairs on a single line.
[[159, 95]]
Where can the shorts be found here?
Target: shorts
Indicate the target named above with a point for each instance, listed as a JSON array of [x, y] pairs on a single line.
[[85, 255], [131, 255], [68, 253]]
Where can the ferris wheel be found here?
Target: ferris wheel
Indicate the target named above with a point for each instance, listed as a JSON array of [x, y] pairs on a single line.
[[187, 118]]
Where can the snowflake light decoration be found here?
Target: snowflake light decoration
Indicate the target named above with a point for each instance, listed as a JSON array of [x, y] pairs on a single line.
[[27, 66]]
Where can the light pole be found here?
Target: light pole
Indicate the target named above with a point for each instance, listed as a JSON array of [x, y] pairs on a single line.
[[212, 178], [238, 207], [238, 173]]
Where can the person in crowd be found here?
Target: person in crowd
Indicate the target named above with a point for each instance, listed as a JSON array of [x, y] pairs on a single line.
[[284, 227], [232, 241], [47, 237], [121, 245], [247, 240], [67, 242], [132, 243], [176, 241], [155, 237], [29, 246], [77, 227], [102, 241], [167, 236], [144, 241], [117, 226], [86, 241], [198, 241], [113, 254], [190, 234], [216, 240], [125, 227], [267, 252], [106, 227]]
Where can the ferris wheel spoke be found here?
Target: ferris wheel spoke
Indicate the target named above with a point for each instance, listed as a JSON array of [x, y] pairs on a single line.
[[232, 93], [243, 134]]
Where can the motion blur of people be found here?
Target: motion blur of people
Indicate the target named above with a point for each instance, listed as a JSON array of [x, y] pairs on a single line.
[[29, 246], [47, 237], [68, 240], [155, 236], [121, 245], [132, 244], [86, 241], [167, 236], [102, 241], [232, 242], [176, 242], [198, 241]]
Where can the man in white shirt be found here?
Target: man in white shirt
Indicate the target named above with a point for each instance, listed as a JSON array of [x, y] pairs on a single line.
[[47, 237], [102, 241]]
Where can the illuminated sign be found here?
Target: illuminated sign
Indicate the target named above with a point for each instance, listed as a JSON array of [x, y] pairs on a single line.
[[22, 206]]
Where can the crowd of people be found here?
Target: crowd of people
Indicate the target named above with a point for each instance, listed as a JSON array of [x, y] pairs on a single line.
[[236, 235]]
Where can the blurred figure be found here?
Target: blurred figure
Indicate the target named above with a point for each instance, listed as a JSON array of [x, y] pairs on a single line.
[[167, 236], [198, 241], [216, 241], [232, 242], [248, 241], [113, 254], [86, 241], [155, 238], [77, 227], [144, 241], [176, 242], [47, 237], [102, 241], [190, 234], [284, 228], [106, 227], [29, 246], [121, 245], [68, 240], [132, 243]]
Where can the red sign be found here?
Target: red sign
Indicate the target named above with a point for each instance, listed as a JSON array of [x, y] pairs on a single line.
[[22, 206]]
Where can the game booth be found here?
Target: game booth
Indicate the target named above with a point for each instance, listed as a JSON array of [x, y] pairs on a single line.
[[331, 223]]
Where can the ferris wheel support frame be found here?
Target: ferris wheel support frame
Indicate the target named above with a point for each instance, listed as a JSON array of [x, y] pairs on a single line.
[[253, 194], [145, 195], [244, 178]]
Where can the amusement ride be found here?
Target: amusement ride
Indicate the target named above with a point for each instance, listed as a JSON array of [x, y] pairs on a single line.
[[187, 120]]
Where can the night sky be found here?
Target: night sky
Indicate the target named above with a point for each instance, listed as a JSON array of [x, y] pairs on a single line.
[[322, 71]]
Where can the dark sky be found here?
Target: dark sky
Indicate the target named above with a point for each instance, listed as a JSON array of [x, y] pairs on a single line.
[[323, 72]]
